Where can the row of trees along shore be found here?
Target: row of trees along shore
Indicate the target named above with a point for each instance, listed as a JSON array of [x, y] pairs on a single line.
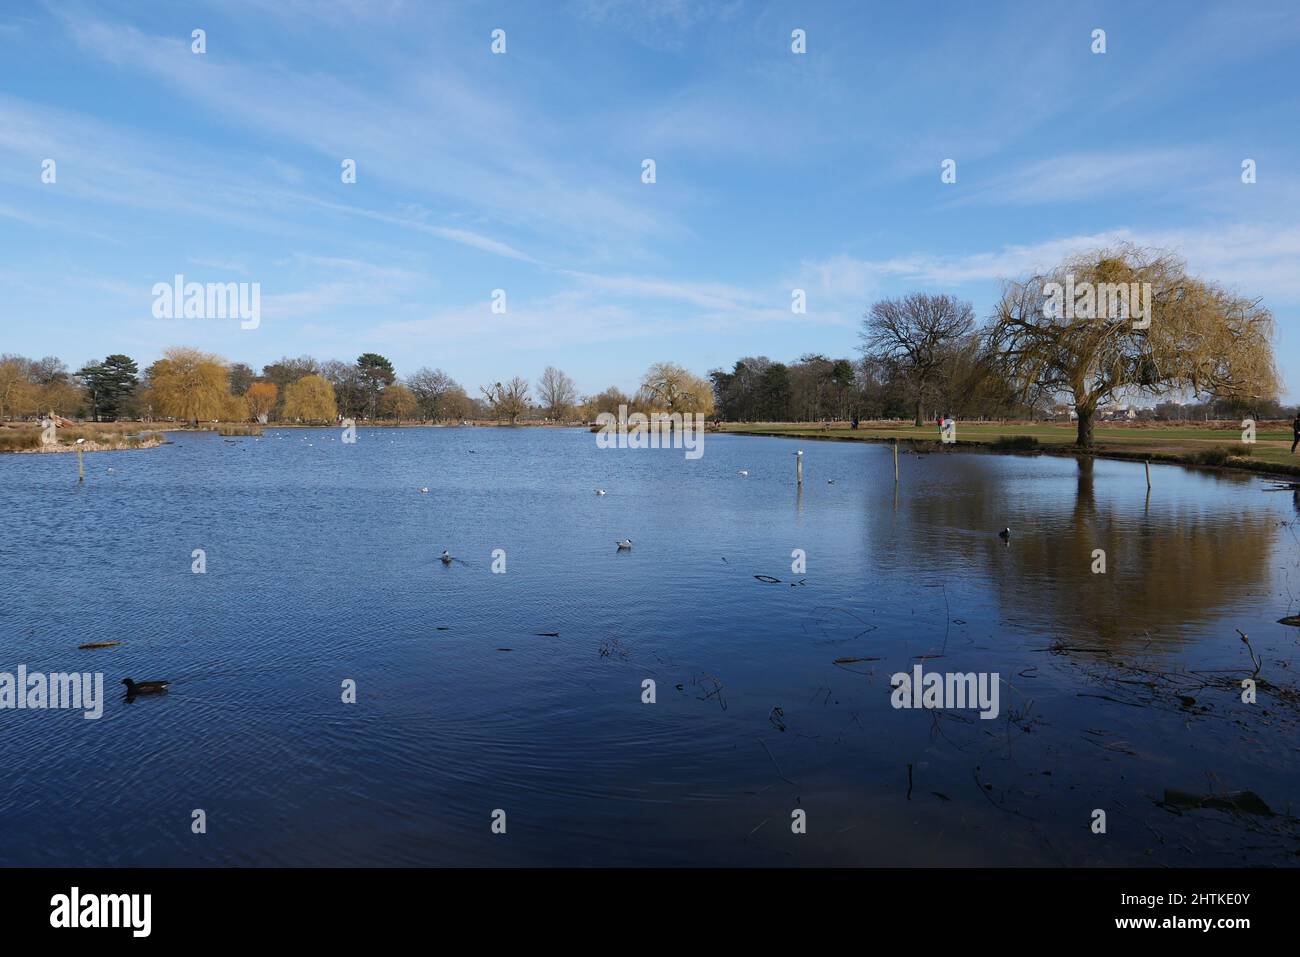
[[920, 355], [925, 355], [190, 385]]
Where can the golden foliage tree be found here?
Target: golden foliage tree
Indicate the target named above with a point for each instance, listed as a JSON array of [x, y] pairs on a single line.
[[62, 397], [18, 396], [398, 401], [310, 399], [666, 386], [235, 409], [607, 401], [455, 404], [189, 384], [1195, 336], [261, 397]]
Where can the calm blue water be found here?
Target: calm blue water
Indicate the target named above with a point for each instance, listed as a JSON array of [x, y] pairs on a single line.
[[322, 566]]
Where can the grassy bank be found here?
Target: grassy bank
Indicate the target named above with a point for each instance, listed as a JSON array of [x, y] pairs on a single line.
[[1210, 444], [95, 437]]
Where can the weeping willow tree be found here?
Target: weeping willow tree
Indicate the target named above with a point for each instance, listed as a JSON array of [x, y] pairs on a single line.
[[666, 386], [189, 384], [310, 399], [1127, 321]]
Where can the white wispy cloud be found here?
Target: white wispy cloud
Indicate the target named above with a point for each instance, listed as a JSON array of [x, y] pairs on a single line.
[[1073, 177], [225, 265], [423, 128], [1257, 258], [661, 25]]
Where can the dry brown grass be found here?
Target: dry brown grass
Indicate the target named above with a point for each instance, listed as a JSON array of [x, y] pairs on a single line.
[[97, 436]]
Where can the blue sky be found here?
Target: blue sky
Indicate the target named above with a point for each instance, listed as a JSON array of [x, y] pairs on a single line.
[[522, 171]]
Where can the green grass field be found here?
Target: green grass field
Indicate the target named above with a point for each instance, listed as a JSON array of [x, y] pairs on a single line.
[[1183, 443]]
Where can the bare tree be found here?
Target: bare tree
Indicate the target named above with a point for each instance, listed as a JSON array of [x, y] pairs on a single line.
[[557, 393], [914, 334], [433, 390], [509, 400], [349, 390]]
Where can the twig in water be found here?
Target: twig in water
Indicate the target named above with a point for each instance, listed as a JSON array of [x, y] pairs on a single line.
[[779, 772], [1245, 640], [947, 617], [975, 773]]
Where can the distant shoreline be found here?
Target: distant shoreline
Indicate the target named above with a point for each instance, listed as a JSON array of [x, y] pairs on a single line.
[[24, 437], [1190, 445], [1215, 452]]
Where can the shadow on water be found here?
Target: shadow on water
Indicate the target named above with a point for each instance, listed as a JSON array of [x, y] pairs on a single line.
[[1082, 566]]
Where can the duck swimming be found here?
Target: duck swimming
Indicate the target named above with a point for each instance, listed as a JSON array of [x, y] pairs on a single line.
[[624, 545], [446, 558], [134, 688], [1005, 534]]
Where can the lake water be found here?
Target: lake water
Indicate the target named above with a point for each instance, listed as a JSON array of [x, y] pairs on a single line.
[[322, 566]]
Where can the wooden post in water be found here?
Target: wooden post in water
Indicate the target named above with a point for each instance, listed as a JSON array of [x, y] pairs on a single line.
[[1147, 463], [798, 468], [81, 467], [895, 461]]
